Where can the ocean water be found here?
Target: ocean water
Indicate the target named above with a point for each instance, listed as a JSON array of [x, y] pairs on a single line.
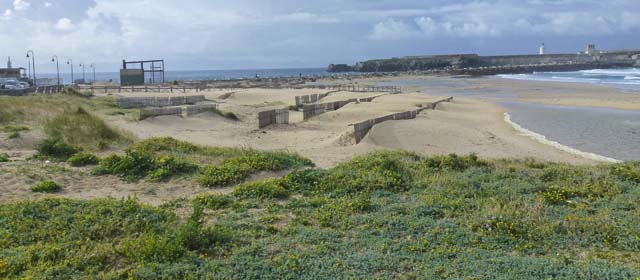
[[196, 75], [627, 79], [597, 133]]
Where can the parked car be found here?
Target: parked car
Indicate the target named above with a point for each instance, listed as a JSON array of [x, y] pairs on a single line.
[[11, 84]]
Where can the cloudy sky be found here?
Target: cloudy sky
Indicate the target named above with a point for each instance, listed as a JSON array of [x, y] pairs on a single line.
[[248, 34]]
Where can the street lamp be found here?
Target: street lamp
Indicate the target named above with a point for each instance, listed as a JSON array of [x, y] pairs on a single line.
[[55, 59], [33, 60], [70, 62], [93, 66], [83, 78]]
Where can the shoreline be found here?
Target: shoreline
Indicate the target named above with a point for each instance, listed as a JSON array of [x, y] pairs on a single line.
[[544, 140]]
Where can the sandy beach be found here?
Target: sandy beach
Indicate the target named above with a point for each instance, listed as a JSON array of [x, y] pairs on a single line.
[[464, 126]]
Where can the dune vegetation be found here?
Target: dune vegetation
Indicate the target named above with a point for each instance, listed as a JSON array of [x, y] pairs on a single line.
[[383, 215], [66, 116]]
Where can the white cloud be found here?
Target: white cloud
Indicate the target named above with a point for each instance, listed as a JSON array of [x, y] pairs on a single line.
[[47, 4], [392, 29], [64, 24], [21, 5]]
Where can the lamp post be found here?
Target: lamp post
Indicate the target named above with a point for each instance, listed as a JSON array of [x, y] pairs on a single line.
[[55, 59], [93, 66], [33, 61], [70, 62], [83, 77]]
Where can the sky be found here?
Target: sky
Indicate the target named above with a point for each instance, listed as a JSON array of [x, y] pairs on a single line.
[[252, 34]]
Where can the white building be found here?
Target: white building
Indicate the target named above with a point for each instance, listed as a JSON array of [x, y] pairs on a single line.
[[542, 49]]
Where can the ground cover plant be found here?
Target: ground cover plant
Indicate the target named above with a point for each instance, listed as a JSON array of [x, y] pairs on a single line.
[[385, 215], [160, 158], [47, 187]]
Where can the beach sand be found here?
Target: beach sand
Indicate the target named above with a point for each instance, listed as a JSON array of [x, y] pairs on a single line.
[[463, 126]]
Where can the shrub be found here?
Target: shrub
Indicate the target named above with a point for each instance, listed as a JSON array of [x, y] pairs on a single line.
[[213, 201], [304, 181], [626, 171], [74, 92], [223, 175], [56, 149], [135, 165], [271, 188], [152, 248], [82, 159], [452, 162], [4, 157], [235, 169], [167, 166], [47, 187], [376, 171], [14, 131]]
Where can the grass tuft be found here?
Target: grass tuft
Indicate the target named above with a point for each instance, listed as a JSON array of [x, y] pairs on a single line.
[[47, 187]]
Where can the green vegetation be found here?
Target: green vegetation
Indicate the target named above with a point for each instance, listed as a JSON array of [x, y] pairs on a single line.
[[64, 116], [47, 187], [261, 190], [78, 127], [55, 149], [385, 215], [161, 158], [136, 165], [83, 159], [74, 92], [4, 157], [13, 131], [107, 239]]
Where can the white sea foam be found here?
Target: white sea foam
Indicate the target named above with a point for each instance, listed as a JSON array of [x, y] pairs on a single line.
[[543, 139]]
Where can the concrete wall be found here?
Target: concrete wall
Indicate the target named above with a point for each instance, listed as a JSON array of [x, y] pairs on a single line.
[[361, 129], [276, 116], [177, 111], [311, 110], [312, 98], [141, 102], [199, 109], [154, 112]]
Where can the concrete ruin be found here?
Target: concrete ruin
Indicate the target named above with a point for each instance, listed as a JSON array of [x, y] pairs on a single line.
[[275, 116], [177, 111], [361, 129], [142, 102], [311, 110]]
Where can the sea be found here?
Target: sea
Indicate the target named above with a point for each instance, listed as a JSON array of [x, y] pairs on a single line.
[[604, 134], [197, 75], [626, 79]]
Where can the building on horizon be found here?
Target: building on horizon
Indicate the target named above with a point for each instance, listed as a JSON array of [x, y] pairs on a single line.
[[542, 49]]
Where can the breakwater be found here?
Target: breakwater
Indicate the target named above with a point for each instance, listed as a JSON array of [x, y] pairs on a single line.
[[473, 64]]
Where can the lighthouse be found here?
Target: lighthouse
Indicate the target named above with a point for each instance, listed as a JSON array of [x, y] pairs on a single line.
[[542, 49]]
